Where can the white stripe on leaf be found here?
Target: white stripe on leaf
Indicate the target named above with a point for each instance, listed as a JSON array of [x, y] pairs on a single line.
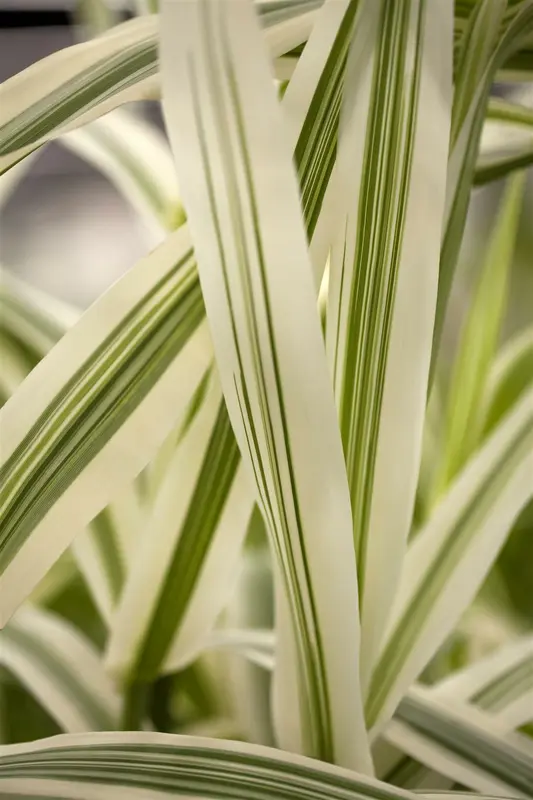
[[391, 174], [448, 560], [227, 133], [61, 669]]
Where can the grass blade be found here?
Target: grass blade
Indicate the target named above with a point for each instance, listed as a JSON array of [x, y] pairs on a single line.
[[510, 377], [34, 322], [457, 742], [98, 373], [161, 622], [189, 601], [61, 668], [214, 70], [449, 558], [81, 83], [494, 43], [478, 340], [135, 157], [108, 766], [500, 684], [392, 162]]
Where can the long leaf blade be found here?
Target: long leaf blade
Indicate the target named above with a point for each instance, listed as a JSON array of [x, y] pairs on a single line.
[[34, 323], [134, 155], [213, 76], [510, 377], [61, 668], [159, 631], [478, 340], [507, 37], [99, 371], [394, 148], [106, 766], [458, 742], [449, 558], [191, 605], [81, 83], [501, 684]]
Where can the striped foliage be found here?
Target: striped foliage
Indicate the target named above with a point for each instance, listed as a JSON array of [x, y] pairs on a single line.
[[391, 165], [506, 142], [61, 668], [32, 322], [164, 613], [478, 340], [234, 211], [135, 157], [312, 96], [81, 83], [492, 35], [448, 560], [500, 684], [267, 367], [114, 764], [459, 744], [151, 318], [510, 376]]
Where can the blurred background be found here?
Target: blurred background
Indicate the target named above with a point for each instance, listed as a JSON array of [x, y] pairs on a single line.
[[67, 230], [62, 206]]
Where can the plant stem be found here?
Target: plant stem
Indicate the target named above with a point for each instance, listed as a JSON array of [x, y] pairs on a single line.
[[134, 709]]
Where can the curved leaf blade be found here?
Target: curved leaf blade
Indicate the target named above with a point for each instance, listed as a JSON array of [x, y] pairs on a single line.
[[478, 340], [98, 372], [81, 83], [392, 163], [458, 742], [260, 299], [449, 558], [61, 668], [99, 765]]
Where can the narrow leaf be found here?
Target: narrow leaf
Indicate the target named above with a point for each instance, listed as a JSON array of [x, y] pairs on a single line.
[[119, 369], [448, 560], [260, 302], [135, 156], [160, 623], [108, 766], [81, 83], [458, 743], [478, 340], [392, 170], [494, 44], [61, 668], [189, 603], [510, 377], [500, 684], [34, 322]]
